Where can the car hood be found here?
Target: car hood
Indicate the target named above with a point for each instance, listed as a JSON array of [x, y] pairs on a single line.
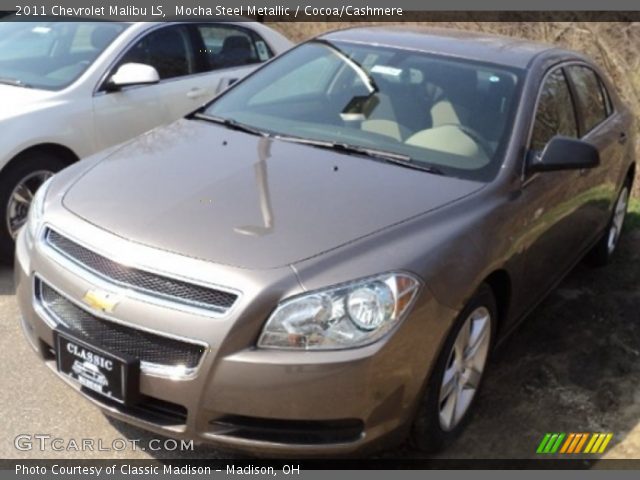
[[204, 191], [18, 100]]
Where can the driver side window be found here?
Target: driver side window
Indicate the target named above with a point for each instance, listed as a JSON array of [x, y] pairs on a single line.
[[167, 49], [555, 114]]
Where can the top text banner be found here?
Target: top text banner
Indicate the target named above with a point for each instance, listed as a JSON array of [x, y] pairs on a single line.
[[290, 10]]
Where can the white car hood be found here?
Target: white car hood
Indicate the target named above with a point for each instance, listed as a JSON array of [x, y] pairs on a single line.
[[18, 100]]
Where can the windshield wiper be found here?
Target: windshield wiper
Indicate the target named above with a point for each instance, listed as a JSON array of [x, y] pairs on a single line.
[[14, 82], [382, 155], [232, 124]]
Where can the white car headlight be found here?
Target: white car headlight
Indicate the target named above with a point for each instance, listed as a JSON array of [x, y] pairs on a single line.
[[36, 209], [346, 316]]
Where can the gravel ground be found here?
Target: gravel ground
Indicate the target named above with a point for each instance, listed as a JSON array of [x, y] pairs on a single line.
[[573, 366]]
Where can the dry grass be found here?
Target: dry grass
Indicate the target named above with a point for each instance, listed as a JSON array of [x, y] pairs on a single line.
[[614, 45]]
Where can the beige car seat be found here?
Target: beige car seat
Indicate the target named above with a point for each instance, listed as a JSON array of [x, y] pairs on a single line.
[[383, 120], [462, 151], [452, 90], [444, 112]]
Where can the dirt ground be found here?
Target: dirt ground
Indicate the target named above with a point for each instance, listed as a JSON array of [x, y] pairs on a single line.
[[573, 366]]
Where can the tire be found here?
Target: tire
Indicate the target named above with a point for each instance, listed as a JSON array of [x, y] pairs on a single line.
[[602, 252], [31, 169], [429, 432]]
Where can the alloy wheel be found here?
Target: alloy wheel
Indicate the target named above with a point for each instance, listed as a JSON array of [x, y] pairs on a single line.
[[20, 200], [465, 367], [617, 222]]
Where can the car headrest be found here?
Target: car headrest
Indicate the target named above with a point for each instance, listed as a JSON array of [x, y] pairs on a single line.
[[236, 42]]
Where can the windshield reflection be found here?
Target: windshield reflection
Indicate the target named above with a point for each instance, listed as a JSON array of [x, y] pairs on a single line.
[[51, 55], [262, 181], [449, 114]]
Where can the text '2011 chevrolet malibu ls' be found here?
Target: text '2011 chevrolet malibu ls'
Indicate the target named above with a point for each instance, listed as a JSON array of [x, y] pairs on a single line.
[[319, 261]]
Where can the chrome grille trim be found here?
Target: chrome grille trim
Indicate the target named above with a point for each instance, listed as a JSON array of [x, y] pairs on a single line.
[[47, 313], [161, 287]]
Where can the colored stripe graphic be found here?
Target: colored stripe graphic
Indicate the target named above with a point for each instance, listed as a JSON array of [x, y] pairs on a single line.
[[550, 443], [594, 437], [567, 442], [582, 442], [598, 442], [605, 442], [573, 443], [543, 443], [556, 446], [576, 439]]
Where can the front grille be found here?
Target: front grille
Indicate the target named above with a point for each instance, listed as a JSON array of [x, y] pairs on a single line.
[[146, 346], [142, 281]]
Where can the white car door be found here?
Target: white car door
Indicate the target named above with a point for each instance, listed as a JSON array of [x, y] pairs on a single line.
[[195, 62], [228, 52], [123, 114]]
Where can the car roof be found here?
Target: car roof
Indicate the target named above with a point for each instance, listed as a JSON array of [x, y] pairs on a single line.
[[470, 45]]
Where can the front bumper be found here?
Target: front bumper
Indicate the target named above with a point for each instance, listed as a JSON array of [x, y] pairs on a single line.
[[261, 401]]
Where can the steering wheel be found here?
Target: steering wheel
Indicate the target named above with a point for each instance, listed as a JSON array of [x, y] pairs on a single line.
[[475, 136]]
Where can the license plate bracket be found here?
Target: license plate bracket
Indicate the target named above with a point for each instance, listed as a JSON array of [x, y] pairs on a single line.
[[114, 376]]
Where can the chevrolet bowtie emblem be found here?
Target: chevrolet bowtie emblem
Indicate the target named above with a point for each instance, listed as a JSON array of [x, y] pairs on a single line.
[[101, 300]]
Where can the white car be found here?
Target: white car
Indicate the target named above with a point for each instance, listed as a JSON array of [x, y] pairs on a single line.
[[70, 89]]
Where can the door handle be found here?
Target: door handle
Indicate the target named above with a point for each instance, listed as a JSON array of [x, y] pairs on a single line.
[[622, 139], [196, 93]]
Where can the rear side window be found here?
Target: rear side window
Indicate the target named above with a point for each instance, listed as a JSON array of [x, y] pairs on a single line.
[[555, 114], [607, 98], [227, 46], [591, 99]]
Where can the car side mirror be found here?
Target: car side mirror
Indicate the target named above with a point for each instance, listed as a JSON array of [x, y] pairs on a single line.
[[564, 153], [131, 74]]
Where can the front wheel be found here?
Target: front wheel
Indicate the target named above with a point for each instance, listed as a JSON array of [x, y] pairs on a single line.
[[457, 377], [608, 243], [18, 184]]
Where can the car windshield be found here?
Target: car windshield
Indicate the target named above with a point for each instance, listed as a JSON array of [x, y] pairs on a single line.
[[51, 55], [446, 113]]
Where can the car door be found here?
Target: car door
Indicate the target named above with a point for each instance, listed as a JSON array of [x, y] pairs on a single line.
[[226, 53], [131, 111], [604, 128], [551, 202]]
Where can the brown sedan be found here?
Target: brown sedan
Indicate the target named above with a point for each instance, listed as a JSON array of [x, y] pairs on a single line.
[[322, 258]]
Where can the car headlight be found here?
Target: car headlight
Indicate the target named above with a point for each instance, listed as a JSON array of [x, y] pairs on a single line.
[[36, 209], [346, 316]]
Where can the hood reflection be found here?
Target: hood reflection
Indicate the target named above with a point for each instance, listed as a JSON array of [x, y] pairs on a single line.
[[262, 180]]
